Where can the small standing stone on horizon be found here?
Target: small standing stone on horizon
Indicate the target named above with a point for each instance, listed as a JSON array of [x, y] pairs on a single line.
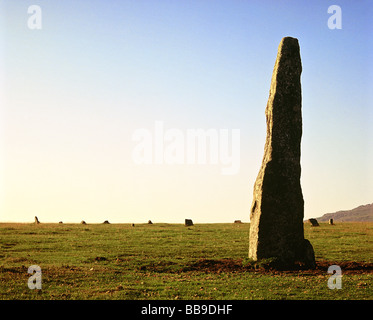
[[36, 220], [314, 222]]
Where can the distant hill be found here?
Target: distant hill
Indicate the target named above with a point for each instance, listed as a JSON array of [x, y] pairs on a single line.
[[361, 214]]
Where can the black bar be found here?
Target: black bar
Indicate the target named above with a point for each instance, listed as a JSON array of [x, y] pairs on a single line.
[[182, 309]]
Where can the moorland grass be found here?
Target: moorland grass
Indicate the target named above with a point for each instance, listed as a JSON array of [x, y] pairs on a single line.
[[171, 261]]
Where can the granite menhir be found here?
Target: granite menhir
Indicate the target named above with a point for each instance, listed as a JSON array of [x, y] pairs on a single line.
[[277, 212]]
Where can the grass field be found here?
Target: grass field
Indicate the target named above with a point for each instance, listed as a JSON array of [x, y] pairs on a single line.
[[170, 261]]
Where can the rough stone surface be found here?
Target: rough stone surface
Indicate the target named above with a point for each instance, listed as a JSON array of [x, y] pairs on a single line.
[[276, 218]]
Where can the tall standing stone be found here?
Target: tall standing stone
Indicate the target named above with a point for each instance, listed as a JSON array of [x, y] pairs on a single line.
[[276, 218]]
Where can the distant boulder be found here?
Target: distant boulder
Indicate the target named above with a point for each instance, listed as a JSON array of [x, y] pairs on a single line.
[[150, 222], [313, 222], [237, 221], [188, 222], [36, 220], [83, 222], [106, 222]]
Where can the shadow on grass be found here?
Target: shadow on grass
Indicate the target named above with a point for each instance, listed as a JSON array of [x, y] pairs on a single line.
[[246, 265]]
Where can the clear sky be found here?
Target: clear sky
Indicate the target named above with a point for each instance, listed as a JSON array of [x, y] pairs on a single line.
[[73, 93]]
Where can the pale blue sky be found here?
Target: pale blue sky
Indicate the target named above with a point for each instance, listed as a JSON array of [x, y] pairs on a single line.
[[73, 93]]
